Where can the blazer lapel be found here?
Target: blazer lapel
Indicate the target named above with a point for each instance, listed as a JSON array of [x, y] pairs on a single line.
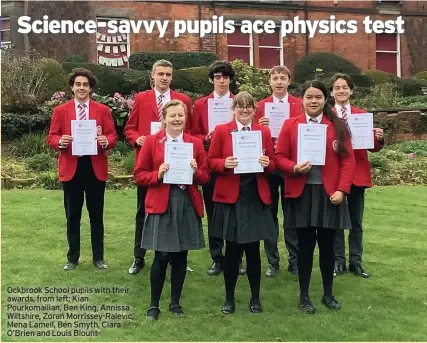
[[93, 110], [71, 110], [153, 101]]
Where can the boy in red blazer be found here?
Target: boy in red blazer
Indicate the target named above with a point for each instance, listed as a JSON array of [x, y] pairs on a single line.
[[145, 119], [221, 74], [342, 88], [279, 79], [87, 174]]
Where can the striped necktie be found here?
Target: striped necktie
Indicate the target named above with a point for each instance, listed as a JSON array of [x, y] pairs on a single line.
[[82, 111], [313, 120], [160, 106], [343, 113], [183, 187]]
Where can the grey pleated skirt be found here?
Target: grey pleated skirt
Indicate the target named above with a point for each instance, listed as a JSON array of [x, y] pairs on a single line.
[[178, 229], [314, 209], [248, 220]]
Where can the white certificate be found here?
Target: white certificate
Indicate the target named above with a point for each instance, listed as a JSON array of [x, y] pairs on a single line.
[[155, 127], [277, 113], [362, 130], [247, 147], [178, 156], [312, 144], [84, 137], [219, 112]]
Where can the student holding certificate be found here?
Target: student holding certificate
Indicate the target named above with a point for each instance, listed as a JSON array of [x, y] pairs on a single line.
[[342, 88], [279, 79], [83, 162], [173, 223], [242, 215], [315, 190], [205, 111], [145, 119]]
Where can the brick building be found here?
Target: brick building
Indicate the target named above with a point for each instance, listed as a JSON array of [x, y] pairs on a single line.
[[402, 54]]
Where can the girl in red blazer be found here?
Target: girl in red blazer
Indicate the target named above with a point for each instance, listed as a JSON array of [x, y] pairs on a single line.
[[342, 88], [315, 202], [173, 222], [241, 215]]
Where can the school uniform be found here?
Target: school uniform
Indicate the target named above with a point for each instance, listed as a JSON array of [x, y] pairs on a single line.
[[82, 175], [145, 111], [242, 215], [173, 223], [356, 199], [276, 182], [307, 204]]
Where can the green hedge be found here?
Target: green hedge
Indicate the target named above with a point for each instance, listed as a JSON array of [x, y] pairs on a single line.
[[195, 80], [422, 75], [412, 87], [378, 76], [305, 69], [111, 80], [15, 125], [55, 77], [179, 60]]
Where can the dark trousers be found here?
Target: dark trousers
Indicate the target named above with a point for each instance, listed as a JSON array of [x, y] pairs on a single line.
[[307, 238], [178, 262], [141, 193], [276, 183], [233, 255], [356, 205], [215, 244], [84, 182]]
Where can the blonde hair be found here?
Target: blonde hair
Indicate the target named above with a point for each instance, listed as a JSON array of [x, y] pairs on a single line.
[[172, 103], [161, 63], [279, 70]]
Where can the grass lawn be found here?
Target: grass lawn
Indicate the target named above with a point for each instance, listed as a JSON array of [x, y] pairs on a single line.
[[389, 306]]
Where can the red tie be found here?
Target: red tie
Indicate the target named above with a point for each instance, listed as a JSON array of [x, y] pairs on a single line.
[[160, 106], [343, 113], [82, 112]]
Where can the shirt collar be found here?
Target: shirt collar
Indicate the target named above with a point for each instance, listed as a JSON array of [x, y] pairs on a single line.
[[166, 94], [180, 138], [318, 118], [76, 103], [347, 108], [240, 126], [225, 96], [285, 99]]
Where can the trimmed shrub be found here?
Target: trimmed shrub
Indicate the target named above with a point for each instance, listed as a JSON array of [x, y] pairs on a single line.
[[14, 125], [112, 80], [56, 80], [41, 162], [378, 76], [325, 63], [195, 80], [412, 87], [422, 75], [75, 59], [179, 60]]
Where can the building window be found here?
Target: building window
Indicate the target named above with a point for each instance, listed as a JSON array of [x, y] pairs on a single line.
[[5, 33], [388, 53], [240, 46], [113, 49], [270, 49]]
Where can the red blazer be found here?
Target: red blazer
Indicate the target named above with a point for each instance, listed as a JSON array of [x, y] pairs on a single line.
[[295, 107], [227, 183], [362, 174], [200, 127], [337, 173], [61, 125], [147, 169], [144, 111]]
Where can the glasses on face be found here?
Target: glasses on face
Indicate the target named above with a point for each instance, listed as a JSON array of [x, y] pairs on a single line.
[[242, 108]]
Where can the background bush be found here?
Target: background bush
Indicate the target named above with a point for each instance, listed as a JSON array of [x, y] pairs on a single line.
[[179, 60], [194, 80], [14, 125], [41, 162], [55, 78], [30, 145], [378, 76]]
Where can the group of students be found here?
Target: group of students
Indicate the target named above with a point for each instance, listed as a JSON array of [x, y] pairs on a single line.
[[318, 202]]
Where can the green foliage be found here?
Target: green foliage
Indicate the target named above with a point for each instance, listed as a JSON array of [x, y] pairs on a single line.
[[381, 96], [123, 147], [411, 87], [56, 80], [378, 76], [179, 60], [422, 75], [48, 180], [419, 101], [30, 144], [195, 80], [129, 161], [14, 125], [252, 80], [418, 148], [75, 59], [41, 162], [305, 69], [112, 80]]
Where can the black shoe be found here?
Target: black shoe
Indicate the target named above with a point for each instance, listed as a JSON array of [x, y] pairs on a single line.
[[357, 270], [255, 306], [70, 266], [306, 305], [153, 313], [137, 265], [331, 303], [293, 269], [100, 265], [176, 310], [272, 270], [228, 307], [242, 271], [215, 269], [339, 268]]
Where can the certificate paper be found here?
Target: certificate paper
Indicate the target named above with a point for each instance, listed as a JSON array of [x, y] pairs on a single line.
[[362, 130], [84, 137], [277, 113], [178, 156], [219, 112], [247, 147], [155, 127], [312, 144]]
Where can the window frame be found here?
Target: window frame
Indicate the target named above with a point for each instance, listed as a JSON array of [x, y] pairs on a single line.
[[395, 52], [6, 44], [250, 46], [281, 57]]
